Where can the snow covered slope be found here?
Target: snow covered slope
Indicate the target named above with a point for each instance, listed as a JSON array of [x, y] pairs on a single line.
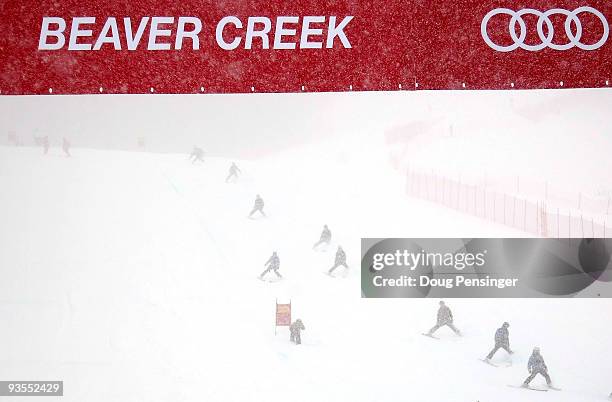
[[133, 277]]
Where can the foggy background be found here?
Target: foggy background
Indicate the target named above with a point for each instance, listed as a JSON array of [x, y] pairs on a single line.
[[247, 126]]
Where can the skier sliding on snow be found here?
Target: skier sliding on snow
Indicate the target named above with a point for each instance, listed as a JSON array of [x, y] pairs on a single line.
[[295, 330], [45, 144], [340, 260], [66, 146], [445, 317], [537, 366], [273, 264], [197, 155], [13, 139], [325, 237], [233, 172], [259, 204], [502, 340]]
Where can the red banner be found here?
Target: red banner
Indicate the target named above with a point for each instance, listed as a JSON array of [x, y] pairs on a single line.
[[236, 46], [283, 315]]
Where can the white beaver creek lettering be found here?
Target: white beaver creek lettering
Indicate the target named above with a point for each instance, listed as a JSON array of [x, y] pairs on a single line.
[[285, 32], [172, 33], [53, 35]]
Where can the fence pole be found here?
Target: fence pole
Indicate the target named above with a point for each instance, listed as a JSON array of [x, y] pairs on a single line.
[[579, 201], [423, 185], [408, 176], [538, 217], [458, 193], [484, 201], [443, 189], [608, 207], [408, 180], [420, 185], [582, 226], [537, 212], [475, 206], [525, 216], [412, 182], [445, 185], [435, 185], [504, 208], [435, 180], [513, 211], [494, 198], [569, 227]]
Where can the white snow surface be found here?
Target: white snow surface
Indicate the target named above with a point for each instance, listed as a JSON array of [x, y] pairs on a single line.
[[133, 277]]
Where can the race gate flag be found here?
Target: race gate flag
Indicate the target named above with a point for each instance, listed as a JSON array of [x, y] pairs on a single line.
[[283, 315], [234, 46]]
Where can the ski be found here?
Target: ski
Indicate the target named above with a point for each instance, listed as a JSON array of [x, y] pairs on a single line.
[[490, 363], [528, 388], [269, 280], [430, 336], [342, 275]]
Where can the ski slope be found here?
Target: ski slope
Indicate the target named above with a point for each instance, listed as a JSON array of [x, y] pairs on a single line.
[[133, 277]]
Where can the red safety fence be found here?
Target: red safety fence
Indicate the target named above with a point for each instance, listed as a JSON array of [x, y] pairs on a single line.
[[528, 215], [238, 46]]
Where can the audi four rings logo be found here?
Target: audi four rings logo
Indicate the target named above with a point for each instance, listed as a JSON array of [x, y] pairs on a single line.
[[545, 38]]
